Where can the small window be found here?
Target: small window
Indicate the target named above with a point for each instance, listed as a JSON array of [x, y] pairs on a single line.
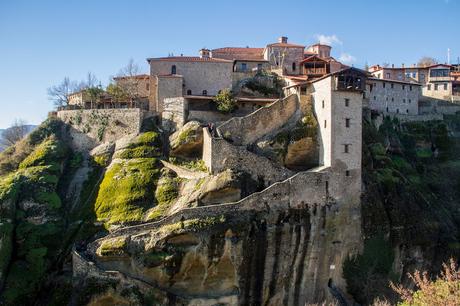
[[347, 102], [325, 123], [259, 66], [347, 122], [392, 86], [322, 103], [375, 98], [429, 86], [147, 86], [205, 92], [407, 111], [410, 87], [387, 98], [244, 66], [392, 99], [403, 87], [388, 75], [346, 148], [293, 66], [410, 101], [173, 69], [435, 86], [404, 100], [397, 110], [347, 172], [189, 92], [387, 109], [384, 84], [445, 86]]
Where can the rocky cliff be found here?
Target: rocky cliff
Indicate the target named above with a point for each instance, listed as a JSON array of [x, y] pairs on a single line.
[[125, 224]]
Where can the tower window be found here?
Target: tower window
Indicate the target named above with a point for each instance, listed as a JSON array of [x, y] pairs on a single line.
[[347, 173], [346, 148], [347, 102], [347, 122], [293, 66], [189, 92], [173, 69], [325, 123], [392, 86], [205, 92], [322, 103]]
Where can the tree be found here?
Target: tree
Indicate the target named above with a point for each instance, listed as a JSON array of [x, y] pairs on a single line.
[[128, 81], [14, 133], [427, 61], [94, 94], [116, 92], [226, 103], [444, 290], [59, 94]]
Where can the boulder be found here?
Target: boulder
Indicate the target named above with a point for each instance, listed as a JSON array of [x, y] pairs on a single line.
[[188, 141]]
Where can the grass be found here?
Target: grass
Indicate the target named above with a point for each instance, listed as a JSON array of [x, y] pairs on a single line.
[[127, 190], [142, 151], [165, 194], [196, 164], [112, 247], [45, 153]]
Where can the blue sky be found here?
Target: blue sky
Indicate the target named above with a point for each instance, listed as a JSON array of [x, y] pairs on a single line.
[[41, 42]]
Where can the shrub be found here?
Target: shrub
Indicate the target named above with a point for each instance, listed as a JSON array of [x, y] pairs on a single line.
[[226, 103], [444, 290]]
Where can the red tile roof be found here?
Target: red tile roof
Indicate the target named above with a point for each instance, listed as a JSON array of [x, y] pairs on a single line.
[[236, 53], [188, 59], [285, 45], [139, 76]]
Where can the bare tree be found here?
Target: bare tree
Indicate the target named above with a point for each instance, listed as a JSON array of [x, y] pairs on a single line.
[[427, 61], [59, 94], [128, 81], [91, 81], [14, 133]]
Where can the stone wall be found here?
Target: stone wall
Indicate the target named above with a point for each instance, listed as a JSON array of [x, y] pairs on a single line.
[[395, 97], [165, 87], [248, 129], [438, 107], [174, 113], [211, 76], [289, 56], [91, 127], [219, 155]]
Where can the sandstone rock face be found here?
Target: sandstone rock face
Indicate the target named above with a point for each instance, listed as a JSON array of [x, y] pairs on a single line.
[[302, 154], [188, 141]]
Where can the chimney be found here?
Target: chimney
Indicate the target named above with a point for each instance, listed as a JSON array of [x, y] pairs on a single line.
[[283, 40], [204, 53]]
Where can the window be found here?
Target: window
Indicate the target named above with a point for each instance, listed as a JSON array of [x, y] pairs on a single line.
[[383, 84], [346, 148], [392, 99], [429, 86], [410, 101], [404, 100], [392, 86], [387, 98], [388, 75], [347, 122], [189, 92], [347, 172], [407, 111], [147, 86], [259, 66], [322, 103], [445, 86], [435, 86], [244, 66], [387, 109], [403, 87], [397, 110], [400, 76], [205, 92], [347, 102], [293, 66], [414, 74], [422, 77], [407, 74], [325, 123], [173, 69], [410, 88], [375, 98]]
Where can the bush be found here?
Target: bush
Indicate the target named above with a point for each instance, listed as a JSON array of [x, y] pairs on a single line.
[[444, 290], [226, 103]]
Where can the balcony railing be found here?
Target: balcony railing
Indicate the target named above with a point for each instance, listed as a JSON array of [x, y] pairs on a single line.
[[315, 70]]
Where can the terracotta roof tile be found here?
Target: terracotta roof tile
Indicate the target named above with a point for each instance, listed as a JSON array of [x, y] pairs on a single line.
[[285, 45], [236, 53], [188, 59]]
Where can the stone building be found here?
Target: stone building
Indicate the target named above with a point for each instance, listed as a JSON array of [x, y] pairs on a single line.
[[285, 56], [436, 80], [391, 96]]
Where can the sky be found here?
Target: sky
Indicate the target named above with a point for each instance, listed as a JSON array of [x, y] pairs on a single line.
[[41, 42]]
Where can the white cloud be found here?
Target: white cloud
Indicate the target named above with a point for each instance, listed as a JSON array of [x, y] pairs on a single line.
[[328, 39], [347, 58]]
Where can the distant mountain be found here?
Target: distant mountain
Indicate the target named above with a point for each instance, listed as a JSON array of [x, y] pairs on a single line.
[[29, 128]]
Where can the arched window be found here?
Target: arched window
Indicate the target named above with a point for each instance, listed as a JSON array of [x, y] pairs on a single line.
[[189, 92], [205, 92], [173, 69], [293, 66]]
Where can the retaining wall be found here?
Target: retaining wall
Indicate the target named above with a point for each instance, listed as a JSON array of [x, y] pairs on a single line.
[[89, 128], [247, 129]]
